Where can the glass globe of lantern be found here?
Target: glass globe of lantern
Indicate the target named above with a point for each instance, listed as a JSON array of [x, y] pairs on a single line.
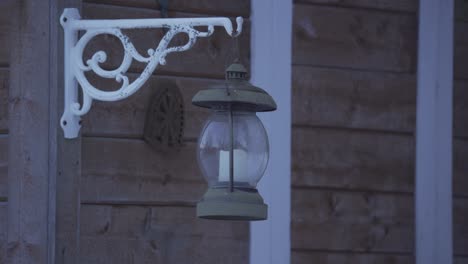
[[250, 149], [234, 138]]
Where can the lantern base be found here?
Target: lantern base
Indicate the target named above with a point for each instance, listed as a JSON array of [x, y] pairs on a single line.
[[221, 204]]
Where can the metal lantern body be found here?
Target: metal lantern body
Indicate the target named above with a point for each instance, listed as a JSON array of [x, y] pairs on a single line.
[[233, 148]]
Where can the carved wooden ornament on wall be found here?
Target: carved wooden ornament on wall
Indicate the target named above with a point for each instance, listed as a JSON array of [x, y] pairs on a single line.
[[164, 123]]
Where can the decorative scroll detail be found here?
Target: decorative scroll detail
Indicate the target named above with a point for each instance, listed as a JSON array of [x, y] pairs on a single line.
[[153, 59], [75, 67]]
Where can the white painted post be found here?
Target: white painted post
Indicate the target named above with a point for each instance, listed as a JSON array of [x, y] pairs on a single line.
[[271, 70], [434, 133]]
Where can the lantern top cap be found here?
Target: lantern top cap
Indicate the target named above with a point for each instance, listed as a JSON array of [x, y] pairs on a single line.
[[236, 71], [236, 94]]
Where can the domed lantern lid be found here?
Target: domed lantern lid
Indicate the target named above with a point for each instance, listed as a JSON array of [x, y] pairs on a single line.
[[237, 93]]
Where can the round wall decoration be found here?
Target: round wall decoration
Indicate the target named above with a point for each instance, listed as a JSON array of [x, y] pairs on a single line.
[[164, 124]]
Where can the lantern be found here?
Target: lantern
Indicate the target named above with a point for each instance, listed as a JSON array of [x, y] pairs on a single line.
[[233, 148]]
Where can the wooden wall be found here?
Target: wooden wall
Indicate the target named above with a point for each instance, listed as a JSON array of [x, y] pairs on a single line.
[[354, 93], [460, 126], [138, 203], [354, 96], [6, 7]]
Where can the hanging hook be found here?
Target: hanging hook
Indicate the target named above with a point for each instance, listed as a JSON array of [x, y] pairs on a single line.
[[227, 24], [240, 22]]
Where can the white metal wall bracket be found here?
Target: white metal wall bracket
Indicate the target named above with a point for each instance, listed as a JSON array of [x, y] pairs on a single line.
[[75, 68]]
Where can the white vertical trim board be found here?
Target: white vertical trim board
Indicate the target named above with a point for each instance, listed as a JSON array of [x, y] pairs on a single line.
[[433, 200], [271, 70]]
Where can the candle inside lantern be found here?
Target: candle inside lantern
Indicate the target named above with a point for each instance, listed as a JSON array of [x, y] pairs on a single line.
[[240, 166]]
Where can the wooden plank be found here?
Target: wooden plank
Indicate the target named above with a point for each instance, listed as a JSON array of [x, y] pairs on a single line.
[[207, 58], [460, 109], [7, 8], [354, 99], [135, 234], [460, 167], [460, 220], [349, 258], [129, 170], [358, 222], [357, 99], [126, 118], [461, 10], [68, 201], [356, 160], [362, 222], [460, 58], [3, 231], [215, 7], [3, 167], [29, 173], [460, 260], [357, 39], [34, 109], [352, 160], [387, 5], [65, 158], [361, 258], [4, 87]]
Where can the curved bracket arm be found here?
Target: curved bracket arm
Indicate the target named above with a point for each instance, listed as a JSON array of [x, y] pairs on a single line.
[[75, 68]]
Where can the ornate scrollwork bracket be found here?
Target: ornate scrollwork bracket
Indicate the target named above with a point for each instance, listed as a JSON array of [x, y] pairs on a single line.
[[75, 68]]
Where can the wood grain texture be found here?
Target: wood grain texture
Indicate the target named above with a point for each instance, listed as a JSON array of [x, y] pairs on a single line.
[[29, 112], [384, 5], [126, 118], [7, 8], [207, 58], [65, 158], [4, 87], [460, 260], [358, 222], [3, 231], [461, 51], [461, 10], [460, 167], [353, 258], [348, 258], [3, 168], [367, 100], [460, 220], [333, 219], [68, 201], [460, 109], [215, 7], [353, 99], [362, 222], [363, 160], [352, 160], [137, 234], [351, 38], [129, 170]]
